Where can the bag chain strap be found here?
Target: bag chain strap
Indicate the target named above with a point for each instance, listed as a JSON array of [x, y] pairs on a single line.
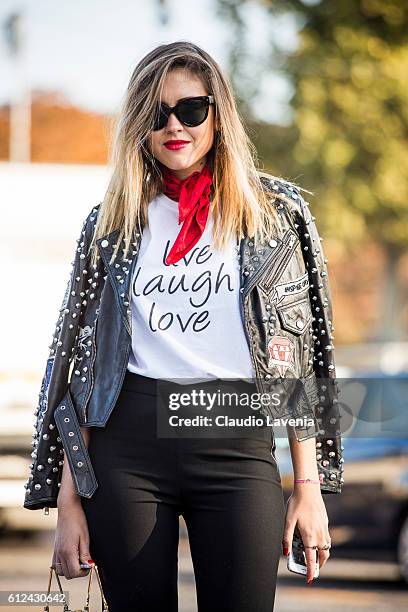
[[47, 607], [104, 604]]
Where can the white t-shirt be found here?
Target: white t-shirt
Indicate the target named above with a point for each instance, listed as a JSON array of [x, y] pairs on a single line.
[[186, 322]]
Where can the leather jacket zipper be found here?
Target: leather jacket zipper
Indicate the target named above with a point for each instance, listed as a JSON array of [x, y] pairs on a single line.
[[274, 255], [288, 245], [91, 369]]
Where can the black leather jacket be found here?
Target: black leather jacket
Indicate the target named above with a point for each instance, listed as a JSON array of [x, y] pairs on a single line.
[[285, 299]]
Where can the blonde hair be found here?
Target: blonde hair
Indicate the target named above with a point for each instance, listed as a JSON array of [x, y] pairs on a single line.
[[240, 203]]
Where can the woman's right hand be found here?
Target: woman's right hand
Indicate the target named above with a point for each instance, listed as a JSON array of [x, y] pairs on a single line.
[[71, 546]]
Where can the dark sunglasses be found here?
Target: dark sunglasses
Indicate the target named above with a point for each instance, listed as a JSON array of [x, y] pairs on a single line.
[[189, 111]]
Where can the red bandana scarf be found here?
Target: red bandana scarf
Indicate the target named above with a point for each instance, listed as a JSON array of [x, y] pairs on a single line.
[[193, 197]]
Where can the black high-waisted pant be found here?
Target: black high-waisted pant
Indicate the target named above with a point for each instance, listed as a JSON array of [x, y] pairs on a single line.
[[227, 489]]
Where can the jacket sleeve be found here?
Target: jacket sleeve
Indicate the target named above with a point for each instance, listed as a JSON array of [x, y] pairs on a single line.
[[319, 390], [321, 361], [47, 455]]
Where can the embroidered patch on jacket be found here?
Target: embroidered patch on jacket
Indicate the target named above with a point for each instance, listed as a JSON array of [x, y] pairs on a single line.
[[281, 354], [43, 404], [84, 333], [291, 288]]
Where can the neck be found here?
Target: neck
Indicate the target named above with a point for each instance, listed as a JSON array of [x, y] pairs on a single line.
[[184, 173]]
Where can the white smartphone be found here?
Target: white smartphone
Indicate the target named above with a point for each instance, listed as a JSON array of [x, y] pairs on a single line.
[[297, 559]]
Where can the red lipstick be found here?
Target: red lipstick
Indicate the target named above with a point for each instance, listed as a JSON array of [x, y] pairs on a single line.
[[174, 145]]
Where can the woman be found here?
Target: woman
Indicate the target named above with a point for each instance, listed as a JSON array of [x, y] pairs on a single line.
[[195, 267]]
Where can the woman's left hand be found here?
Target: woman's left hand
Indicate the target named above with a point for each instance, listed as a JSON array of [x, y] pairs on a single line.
[[305, 508]]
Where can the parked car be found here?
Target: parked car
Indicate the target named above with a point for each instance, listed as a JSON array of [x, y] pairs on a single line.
[[370, 516]]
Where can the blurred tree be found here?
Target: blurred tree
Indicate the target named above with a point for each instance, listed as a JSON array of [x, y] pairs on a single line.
[[350, 121]]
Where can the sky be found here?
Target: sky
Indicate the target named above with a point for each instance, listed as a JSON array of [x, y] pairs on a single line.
[[87, 49]]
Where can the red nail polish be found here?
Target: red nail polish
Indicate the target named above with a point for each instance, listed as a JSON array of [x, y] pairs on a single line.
[[310, 580], [285, 551], [91, 561]]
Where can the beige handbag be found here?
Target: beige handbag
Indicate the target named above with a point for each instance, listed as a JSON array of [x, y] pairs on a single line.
[[104, 605]]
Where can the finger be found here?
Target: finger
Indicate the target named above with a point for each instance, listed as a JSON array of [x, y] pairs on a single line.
[[65, 562], [84, 553], [310, 554], [64, 569], [56, 564], [73, 559], [324, 554], [287, 538], [74, 564], [75, 571], [323, 557]]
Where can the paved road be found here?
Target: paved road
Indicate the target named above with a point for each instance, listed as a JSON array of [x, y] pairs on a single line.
[[348, 586]]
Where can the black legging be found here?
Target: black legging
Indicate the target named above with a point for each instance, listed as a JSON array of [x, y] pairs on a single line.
[[227, 489]]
